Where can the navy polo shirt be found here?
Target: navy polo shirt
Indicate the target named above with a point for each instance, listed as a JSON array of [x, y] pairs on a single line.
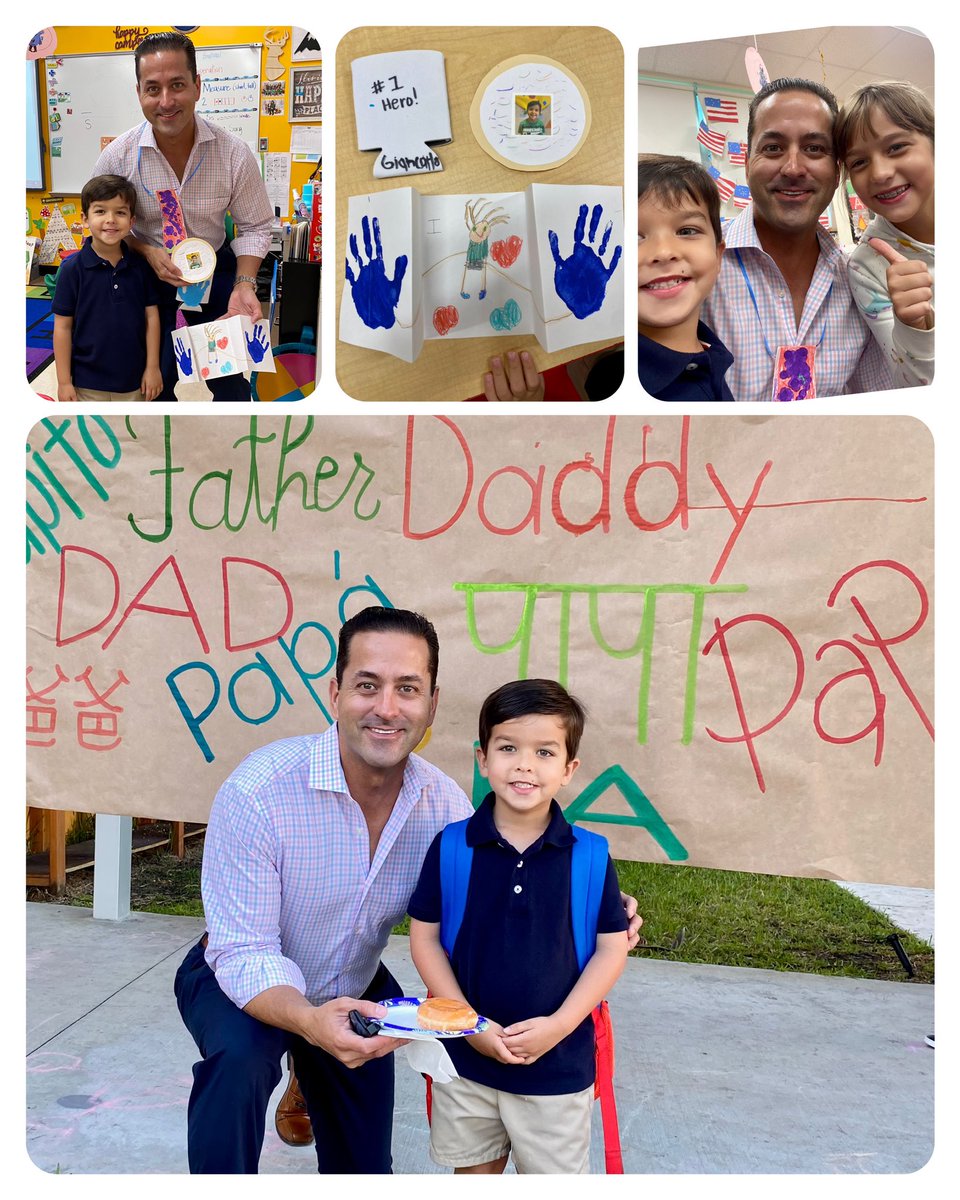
[[514, 957], [676, 375], [108, 304]]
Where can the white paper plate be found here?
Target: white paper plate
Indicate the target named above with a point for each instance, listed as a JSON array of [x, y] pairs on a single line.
[[401, 1021], [195, 259]]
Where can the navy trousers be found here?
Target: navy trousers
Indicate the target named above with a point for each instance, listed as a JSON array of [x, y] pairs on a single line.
[[228, 387], [351, 1110]]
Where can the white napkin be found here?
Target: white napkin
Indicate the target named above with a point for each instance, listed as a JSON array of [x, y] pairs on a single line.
[[430, 1058]]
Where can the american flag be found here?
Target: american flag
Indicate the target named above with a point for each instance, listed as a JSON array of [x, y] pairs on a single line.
[[725, 187], [720, 110], [738, 153], [741, 195], [824, 219], [714, 142]]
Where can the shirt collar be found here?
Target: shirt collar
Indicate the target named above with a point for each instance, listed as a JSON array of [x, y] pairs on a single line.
[[90, 259], [661, 366], [482, 831], [741, 233], [202, 132], [326, 770]]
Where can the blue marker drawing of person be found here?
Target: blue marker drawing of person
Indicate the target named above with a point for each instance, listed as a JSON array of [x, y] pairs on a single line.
[[375, 296], [581, 280]]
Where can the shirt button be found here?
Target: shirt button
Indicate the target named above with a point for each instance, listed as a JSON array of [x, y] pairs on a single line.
[[518, 889], [115, 286], [691, 366], [520, 863]]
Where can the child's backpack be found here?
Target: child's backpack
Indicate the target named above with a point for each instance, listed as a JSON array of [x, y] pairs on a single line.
[[588, 870]]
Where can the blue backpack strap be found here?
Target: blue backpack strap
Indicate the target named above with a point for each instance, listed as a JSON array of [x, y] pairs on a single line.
[[588, 870], [456, 858]]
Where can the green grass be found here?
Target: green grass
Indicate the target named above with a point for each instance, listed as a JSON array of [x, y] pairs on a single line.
[[690, 914], [770, 921]]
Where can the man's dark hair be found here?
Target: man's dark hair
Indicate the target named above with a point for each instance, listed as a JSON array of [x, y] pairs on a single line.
[[672, 179], [154, 43], [388, 620], [789, 84], [105, 187], [533, 698]]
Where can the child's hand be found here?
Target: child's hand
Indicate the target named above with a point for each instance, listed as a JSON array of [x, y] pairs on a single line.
[[151, 385], [490, 1043], [529, 1040], [513, 377], [910, 285], [66, 393]]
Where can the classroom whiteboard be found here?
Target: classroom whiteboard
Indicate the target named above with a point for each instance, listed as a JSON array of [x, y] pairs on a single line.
[[90, 98]]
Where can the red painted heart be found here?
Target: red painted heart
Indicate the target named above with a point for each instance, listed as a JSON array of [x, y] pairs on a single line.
[[223, 343], [506, 252], [444, 319], [204, 371]]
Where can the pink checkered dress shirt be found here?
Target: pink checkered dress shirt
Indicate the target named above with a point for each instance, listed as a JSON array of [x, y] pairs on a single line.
[[221, 175], [289, 892], [847, 357]]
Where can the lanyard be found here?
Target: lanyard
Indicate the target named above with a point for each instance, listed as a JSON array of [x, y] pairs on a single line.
[[182, 185], [756, 307]]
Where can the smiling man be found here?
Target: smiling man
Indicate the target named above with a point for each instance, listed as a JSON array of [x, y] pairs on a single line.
[[211, 172], [782, 304], [313, 849]]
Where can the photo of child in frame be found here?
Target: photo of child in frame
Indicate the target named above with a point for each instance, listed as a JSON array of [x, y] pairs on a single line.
[[533, 115]]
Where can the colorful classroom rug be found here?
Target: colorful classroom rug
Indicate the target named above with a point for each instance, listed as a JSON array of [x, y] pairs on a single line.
[[39, 333]]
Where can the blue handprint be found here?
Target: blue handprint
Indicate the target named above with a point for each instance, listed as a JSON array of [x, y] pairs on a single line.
[[258, 345], [375, 297], [184, 357], [581, 280]]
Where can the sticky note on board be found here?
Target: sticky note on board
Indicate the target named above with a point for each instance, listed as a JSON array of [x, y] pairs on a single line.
[[400, 103]]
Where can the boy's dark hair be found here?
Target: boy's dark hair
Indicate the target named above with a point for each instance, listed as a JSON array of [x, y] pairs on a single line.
[[154, 43], [388, 620], [533, 698], [105, 187], [534, 103], [672, 179], [789, 84], [904, 104]]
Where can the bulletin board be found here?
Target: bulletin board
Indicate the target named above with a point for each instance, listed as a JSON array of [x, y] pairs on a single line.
[[760, 695], [99, 101]]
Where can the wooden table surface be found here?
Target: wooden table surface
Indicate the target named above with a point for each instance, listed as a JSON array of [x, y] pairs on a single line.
[[453, 370]]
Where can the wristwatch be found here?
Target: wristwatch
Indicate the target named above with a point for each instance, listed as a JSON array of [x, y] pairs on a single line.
[[246, 279]]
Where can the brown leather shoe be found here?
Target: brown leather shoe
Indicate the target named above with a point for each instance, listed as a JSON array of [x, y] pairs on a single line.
[[291, 1119]]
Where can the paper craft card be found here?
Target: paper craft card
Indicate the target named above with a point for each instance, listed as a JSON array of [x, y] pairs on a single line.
[[400, 102], [544, 261], [226, 346]]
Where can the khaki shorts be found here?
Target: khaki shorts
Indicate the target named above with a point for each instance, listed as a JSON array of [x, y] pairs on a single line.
[[89, 394], [474, 1124]]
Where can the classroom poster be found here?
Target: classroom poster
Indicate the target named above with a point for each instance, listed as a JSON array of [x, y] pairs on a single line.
[[744, 605]]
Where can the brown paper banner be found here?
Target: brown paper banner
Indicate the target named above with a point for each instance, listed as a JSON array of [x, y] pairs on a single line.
[[744, 604]]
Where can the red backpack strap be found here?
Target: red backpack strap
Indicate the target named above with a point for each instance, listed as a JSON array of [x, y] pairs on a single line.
[[603, 1028]]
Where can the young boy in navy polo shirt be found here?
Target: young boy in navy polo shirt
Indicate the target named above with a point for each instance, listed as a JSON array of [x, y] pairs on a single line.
[[526, 1084], [106, 328], [680, 245]]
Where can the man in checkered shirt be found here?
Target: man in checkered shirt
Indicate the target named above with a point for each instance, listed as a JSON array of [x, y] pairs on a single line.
[[213, 172], [312, 851], [782, 297]]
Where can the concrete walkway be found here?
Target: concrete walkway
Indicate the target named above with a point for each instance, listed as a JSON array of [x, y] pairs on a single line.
[[719, 1069]]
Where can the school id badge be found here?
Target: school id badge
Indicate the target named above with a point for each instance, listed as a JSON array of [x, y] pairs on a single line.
[[793, 376]]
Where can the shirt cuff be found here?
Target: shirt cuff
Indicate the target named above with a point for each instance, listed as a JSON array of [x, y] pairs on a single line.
[[243, 976]]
